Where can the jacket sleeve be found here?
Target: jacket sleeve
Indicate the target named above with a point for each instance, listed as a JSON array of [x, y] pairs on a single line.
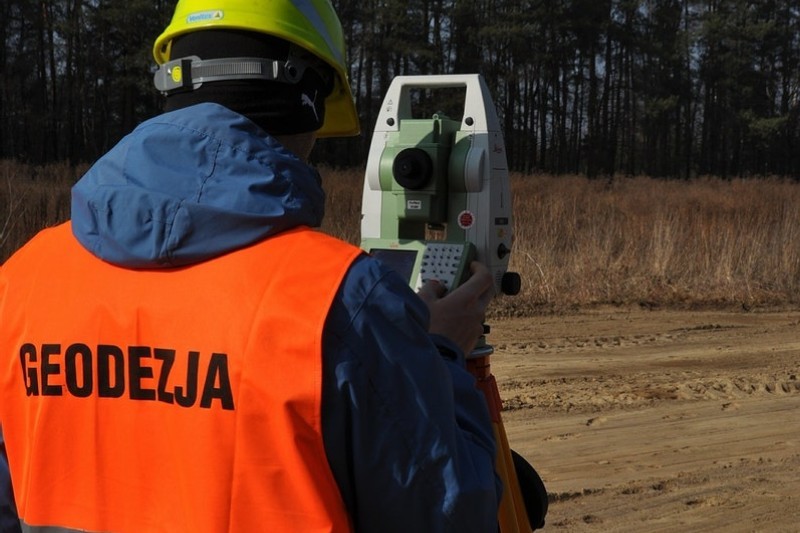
[[407, 433], [9, 522]]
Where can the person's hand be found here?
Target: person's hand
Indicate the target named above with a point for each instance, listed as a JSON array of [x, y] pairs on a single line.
[[459, 315]]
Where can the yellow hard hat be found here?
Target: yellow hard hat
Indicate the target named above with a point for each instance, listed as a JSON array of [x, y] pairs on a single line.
[[310, 24]]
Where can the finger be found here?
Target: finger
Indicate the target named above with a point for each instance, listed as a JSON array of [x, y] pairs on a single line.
[[477, 290], [431, 291], [480, 282], [484, 288]]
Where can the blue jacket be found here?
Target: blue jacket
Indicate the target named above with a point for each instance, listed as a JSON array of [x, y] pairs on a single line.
[[8, 512], [407, 434]]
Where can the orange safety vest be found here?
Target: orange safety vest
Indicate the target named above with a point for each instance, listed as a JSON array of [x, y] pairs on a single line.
[[184, 399]]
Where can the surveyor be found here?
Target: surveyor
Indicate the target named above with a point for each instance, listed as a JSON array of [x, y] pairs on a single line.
[[187, 353]]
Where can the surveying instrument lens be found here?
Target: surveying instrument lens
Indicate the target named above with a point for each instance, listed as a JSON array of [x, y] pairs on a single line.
[[412, 168]]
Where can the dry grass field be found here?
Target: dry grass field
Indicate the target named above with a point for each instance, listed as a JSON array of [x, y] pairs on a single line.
[[636, 241], [649, 367], [578, 243]]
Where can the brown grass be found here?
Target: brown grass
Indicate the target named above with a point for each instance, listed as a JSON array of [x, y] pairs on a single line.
[[32, 198], [706, 242], [578, 242]]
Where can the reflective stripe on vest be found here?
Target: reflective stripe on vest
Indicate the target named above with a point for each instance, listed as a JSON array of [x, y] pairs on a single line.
[[46, 529], [169, 400]]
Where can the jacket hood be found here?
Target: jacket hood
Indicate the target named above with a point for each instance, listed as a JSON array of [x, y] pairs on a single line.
[[190, 185]]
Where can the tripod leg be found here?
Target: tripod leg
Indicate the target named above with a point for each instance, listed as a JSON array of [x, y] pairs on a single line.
[[512, 516]]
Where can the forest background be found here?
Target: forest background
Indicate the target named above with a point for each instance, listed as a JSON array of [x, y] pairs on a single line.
[[651, 142], [673, 88]]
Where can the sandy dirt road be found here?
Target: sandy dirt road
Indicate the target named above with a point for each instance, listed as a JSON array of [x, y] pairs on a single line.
[[651, 421]]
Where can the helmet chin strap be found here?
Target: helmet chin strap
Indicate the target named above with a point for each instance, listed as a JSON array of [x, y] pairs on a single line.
[[189, 73]]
